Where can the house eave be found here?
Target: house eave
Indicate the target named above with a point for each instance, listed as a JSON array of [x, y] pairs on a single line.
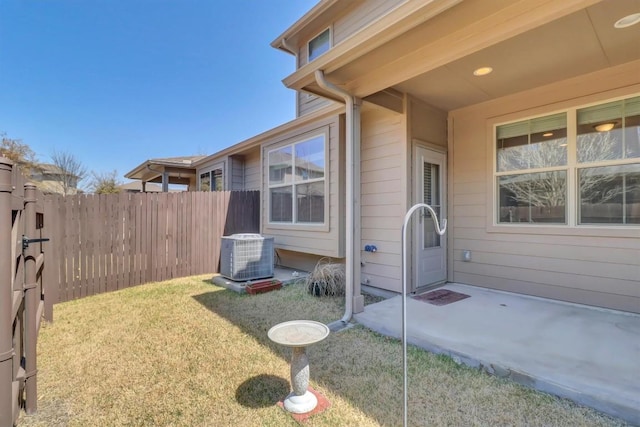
[[323, 7], [368, 61], [398, 21]]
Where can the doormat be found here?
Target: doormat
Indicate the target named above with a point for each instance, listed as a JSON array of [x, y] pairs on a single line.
[[441, 297]]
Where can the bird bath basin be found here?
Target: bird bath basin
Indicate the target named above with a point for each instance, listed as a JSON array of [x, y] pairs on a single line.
[[299, 334]]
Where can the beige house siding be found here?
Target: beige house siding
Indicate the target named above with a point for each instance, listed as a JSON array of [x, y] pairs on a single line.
[[252, 169], [427, 124], [308, 103], [354, 16], [383, 195], [352, 19], [357, 18], [242, 171], [236, 173], [590, 265], [321, 240]]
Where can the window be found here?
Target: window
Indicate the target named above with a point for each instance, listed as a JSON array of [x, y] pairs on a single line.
[[532, 170], [319, 44], [608, 156], [212, 180], [297, 182], [541, 164]]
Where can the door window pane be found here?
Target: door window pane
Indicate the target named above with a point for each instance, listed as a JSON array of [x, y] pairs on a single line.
[[431, 196]]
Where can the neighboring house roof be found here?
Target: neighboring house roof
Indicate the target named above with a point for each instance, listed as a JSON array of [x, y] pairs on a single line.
[[136, 187], [49, 179], [180, 170], [48, 169]]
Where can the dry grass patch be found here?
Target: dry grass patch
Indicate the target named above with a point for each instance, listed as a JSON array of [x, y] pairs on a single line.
[[187, 353]]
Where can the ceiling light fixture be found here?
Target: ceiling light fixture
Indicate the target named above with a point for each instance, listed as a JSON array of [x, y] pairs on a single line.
[[627, 21], [547, 134], [604, 127], [482, 71]]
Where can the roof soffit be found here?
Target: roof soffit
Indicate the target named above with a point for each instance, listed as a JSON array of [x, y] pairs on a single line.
[[576, 44], [411, 50]]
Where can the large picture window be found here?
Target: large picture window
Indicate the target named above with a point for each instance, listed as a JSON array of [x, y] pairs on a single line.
[[542, 163], [297, 182]]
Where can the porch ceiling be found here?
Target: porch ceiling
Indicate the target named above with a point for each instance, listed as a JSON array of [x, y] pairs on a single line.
[[582, 39], [580, 43]]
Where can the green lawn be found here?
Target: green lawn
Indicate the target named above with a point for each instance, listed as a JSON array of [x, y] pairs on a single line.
[[188, 353]]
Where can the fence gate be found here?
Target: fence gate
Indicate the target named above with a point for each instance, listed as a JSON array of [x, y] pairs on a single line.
[[21, 291]]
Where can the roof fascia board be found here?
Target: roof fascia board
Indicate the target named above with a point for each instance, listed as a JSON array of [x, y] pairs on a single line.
[[137, 170], [258, 139], [398, 21]]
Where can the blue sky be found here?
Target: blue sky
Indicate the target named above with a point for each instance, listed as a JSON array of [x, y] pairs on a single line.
[[116, 82]]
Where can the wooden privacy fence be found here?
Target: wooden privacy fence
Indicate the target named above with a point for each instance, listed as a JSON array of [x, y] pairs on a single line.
[[23, 293], [101, 243]]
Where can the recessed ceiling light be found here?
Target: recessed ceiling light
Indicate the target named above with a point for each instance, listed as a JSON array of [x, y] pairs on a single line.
[[547, 134], [604, 127], [482, 71], [627, 21]]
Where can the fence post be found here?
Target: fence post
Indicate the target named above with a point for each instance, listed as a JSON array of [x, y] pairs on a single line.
[[31, 301], [6, 296]]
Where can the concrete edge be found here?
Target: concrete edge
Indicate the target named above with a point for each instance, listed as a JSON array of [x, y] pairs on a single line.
[[627, 410]]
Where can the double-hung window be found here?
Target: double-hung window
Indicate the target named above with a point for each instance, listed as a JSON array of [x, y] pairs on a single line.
[[582, 171], [297, 182]]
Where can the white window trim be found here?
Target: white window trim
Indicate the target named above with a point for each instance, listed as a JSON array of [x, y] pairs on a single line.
[[324, 226], [570, 228], [330, 29], [220, 165]]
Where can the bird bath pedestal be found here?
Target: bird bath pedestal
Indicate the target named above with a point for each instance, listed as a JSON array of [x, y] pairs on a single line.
[[299, 334]]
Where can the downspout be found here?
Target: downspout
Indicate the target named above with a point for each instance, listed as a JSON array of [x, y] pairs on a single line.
[[352, 259]]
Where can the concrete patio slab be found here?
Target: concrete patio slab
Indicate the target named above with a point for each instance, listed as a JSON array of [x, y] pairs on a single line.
[[586, 354]]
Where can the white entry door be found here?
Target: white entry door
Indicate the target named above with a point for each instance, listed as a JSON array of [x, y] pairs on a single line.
[[430, 249]]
